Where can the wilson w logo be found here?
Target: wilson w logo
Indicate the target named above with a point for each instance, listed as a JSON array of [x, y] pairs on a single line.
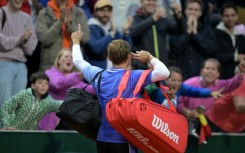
[[163, 128]]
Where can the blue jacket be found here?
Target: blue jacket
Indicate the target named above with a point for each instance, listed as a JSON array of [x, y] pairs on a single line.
[[96, 50], [184, 90]]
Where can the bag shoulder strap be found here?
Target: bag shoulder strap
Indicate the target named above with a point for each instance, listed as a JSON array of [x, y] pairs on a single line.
[[96, 75], [141, 80], [4, 18], [99, 81], [123, 83]]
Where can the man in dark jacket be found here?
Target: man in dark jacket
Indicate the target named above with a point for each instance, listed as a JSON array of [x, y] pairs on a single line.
[[150, 28], [230, 41], [190, 49]]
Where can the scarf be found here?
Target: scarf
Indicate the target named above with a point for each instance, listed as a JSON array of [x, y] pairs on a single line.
[[66, 43]]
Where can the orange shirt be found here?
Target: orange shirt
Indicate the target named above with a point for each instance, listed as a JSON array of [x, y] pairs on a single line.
[[66, 36], [223, 113]]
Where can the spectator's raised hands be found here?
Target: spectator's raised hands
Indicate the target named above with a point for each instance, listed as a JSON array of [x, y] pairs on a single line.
[[194, 25], [190, 24], [66, 15], [240, 57], [177, 9], [113, 29], [128, 24], [77, 36], [25, 36], [159, 13]]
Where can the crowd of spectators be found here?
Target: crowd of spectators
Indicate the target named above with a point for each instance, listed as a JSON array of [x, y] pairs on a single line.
[[202, 40]]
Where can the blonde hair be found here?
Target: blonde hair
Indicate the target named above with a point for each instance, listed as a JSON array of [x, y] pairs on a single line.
[[118, 51], [56, 62]]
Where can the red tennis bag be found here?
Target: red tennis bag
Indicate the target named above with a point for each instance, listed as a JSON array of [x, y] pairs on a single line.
[[146, 124]]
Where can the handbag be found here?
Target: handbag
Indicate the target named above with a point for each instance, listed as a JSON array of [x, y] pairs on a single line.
[[81, 111], [146, 124]]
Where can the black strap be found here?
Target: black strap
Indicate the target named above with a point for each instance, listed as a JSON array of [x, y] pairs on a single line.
[[99, 82], [4, 17], [96, 75]]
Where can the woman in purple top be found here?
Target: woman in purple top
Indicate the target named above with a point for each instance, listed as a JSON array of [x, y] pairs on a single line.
[[62, 77], [208, 79], [189, 106]]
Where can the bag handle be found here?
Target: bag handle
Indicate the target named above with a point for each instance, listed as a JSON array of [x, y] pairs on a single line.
[[164, 88], [141, 81], [123, 83]]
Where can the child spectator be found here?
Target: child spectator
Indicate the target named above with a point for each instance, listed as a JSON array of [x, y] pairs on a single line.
[[25, 109]]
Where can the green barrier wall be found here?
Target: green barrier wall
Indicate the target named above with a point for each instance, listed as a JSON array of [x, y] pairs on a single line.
[[72, 142], [45, 142]]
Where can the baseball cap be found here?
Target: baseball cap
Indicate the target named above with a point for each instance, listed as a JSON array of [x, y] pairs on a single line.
[[102, 3]]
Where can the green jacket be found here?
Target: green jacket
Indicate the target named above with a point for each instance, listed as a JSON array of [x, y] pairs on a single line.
[[23, 111]]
